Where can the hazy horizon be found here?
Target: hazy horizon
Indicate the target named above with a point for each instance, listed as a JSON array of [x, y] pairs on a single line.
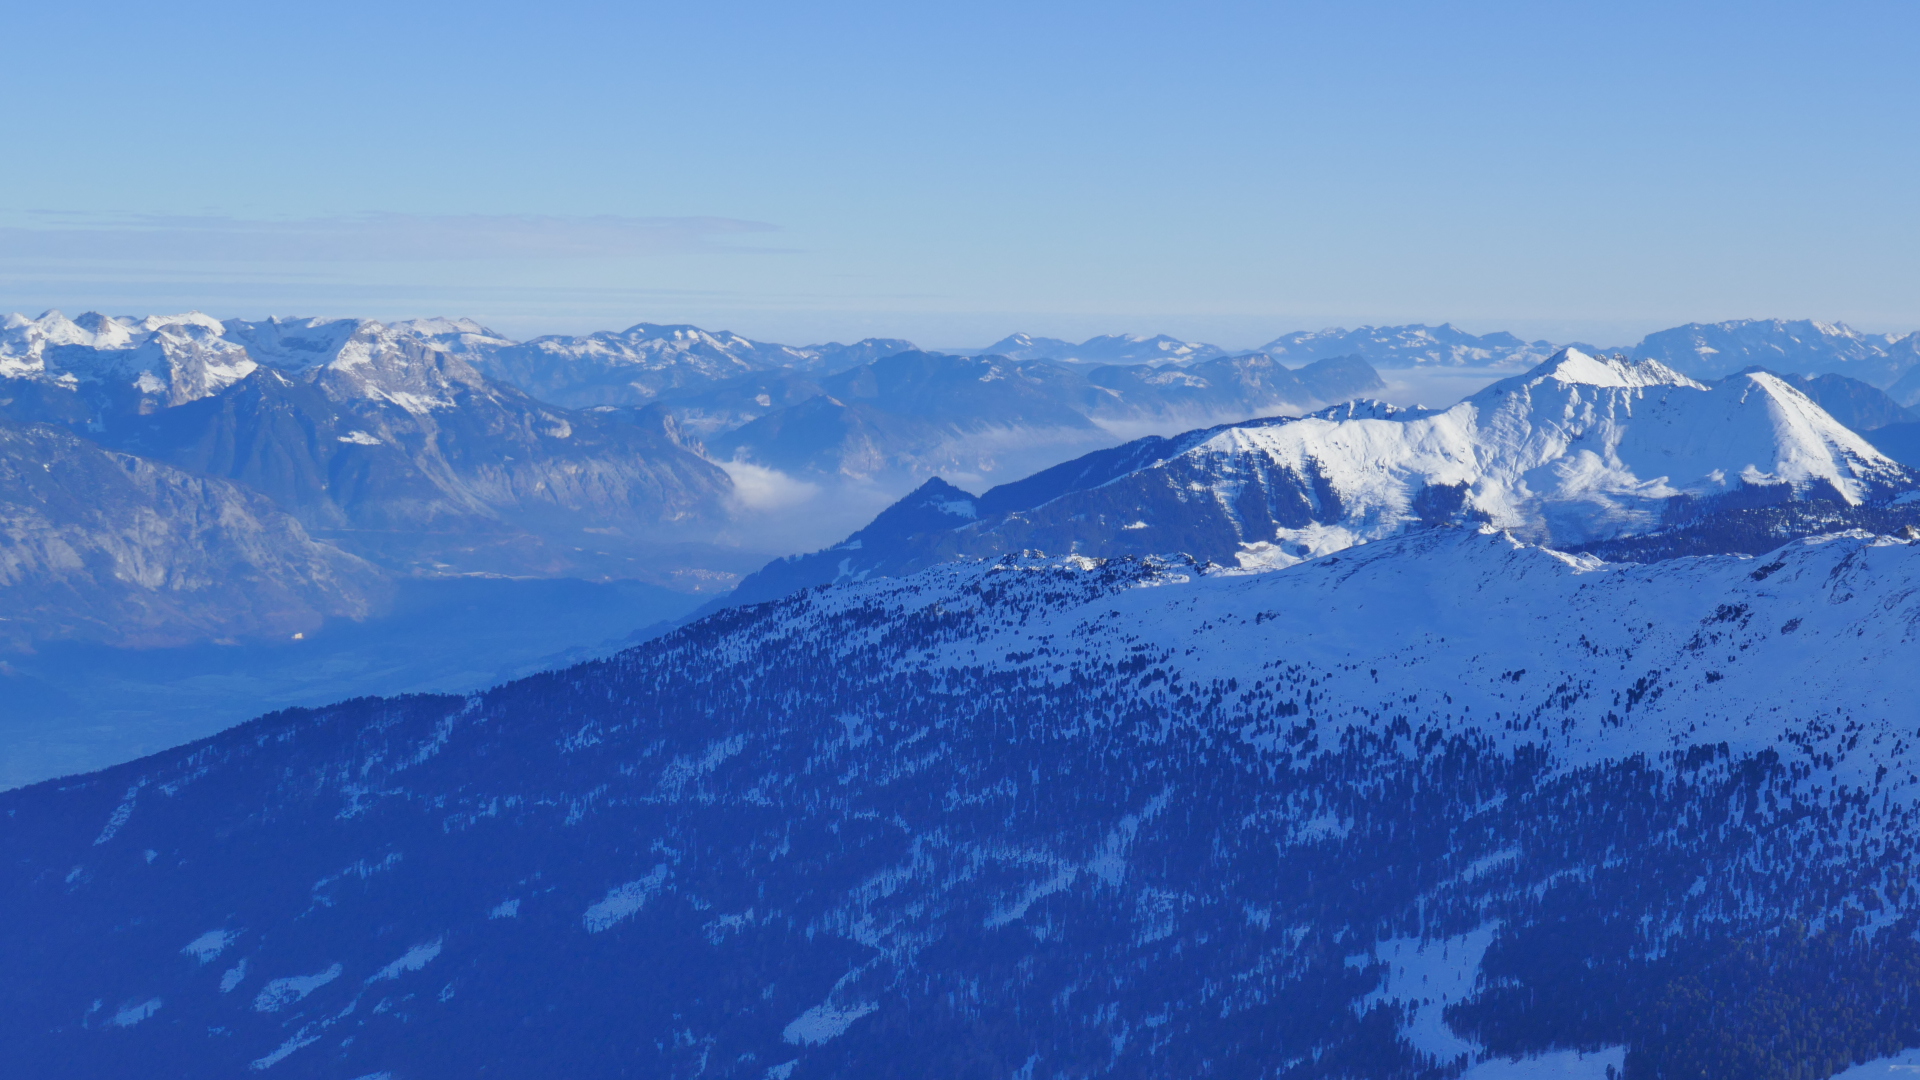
[[815, 330], [1225, 173]]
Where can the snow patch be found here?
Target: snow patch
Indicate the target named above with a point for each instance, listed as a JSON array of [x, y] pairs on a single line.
[[1429, 976], [623, 901], [415, 958], [303, 1037], [209, 945], [825, 1021], [1904, 1064], [280, 993], [130, 1015], [119, 816], [1556, 1065], [962, 508]]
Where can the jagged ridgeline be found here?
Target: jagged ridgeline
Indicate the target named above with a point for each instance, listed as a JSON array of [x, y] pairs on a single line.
[[1437, 800]]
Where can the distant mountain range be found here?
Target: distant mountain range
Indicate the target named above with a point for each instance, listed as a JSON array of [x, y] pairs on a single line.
[[645, 361], [1106, 349], [375, 438], [1715, 350], [1413, 346], [915, 413], [345, 451], [439, 447], [1700, 350]]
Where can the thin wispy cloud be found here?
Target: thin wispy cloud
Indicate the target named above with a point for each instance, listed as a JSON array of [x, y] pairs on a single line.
[[380, 237]]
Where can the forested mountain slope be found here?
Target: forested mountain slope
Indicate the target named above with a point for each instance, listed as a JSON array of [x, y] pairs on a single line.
[[1380, 814]]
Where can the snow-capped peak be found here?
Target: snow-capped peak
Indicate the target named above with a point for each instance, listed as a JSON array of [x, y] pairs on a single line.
[[172, 359], [155, 323], [1571, 367], [441, 325], [24, 341], [1578, 449]]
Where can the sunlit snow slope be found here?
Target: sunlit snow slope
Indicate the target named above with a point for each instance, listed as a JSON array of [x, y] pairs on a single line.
[[1577, 449]]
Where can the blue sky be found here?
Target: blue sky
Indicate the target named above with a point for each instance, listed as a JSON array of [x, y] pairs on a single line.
[[952, 173]]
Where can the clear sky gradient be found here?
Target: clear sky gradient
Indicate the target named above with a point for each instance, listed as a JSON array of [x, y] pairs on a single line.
[[954, 172]]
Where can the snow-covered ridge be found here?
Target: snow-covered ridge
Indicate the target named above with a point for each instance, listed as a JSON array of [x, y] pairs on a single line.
[[175, 359], [1598, 661], [1579, 448]]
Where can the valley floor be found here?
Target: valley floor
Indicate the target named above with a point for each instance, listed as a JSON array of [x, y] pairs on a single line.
[[72, 708]]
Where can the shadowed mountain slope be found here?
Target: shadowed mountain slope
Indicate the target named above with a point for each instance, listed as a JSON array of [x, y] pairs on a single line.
[[105, 547]]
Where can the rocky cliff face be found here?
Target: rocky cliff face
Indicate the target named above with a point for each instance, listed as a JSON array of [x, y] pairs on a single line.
[[101, 546]]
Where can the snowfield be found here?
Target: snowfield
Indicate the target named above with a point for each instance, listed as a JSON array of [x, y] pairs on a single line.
[[1475, 630]]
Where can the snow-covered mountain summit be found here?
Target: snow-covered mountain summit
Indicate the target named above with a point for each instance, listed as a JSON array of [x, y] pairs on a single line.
[[163, 360], [1576, 449], [169, 360], [1579, 449], [1582, 447], [419, 365]]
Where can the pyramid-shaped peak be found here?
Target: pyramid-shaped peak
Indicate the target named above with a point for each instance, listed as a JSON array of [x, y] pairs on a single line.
[[1571, 367], [936, 487]]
